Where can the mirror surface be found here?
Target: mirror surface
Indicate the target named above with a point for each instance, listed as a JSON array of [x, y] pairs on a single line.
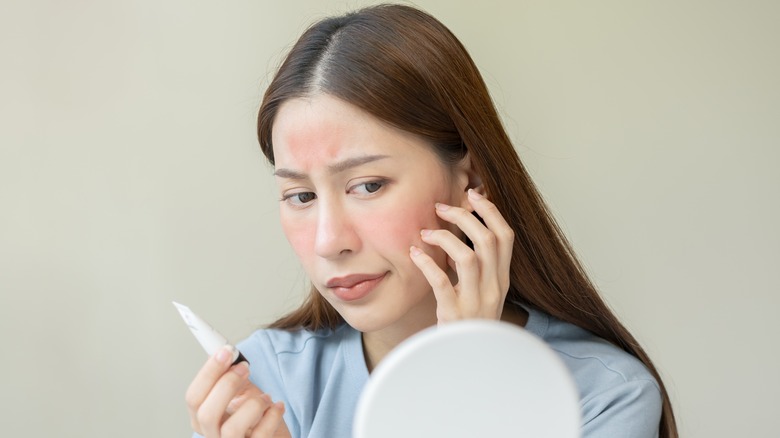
[[466, 379]]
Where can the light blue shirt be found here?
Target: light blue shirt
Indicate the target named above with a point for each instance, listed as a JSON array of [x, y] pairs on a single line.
[[319, 376]]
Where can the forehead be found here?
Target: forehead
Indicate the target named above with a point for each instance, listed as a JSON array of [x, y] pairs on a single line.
[[315, 131]]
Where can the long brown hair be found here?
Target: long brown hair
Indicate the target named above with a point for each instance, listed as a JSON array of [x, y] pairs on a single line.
[[406, 68]]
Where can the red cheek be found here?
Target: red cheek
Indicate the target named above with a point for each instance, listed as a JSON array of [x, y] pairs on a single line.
[[401, 227], [300, 236]]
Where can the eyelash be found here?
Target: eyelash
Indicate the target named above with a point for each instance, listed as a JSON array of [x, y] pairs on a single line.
[[380, 182], [289, 198]]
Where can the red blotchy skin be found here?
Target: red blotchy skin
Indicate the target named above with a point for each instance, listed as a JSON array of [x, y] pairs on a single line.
[[345, 229]]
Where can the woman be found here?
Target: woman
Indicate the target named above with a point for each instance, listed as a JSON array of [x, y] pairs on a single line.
[[407, 205]]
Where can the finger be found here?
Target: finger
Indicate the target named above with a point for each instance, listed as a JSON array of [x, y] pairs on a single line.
[[211, 411], [467, 266], [440, 283], [505, 234], [271, 423], [204, 381], [483, 238], [252, 391], [246, 417], [485, 242], [236, 402]]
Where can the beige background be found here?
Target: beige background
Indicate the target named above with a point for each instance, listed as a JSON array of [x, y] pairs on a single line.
[[130, 176]]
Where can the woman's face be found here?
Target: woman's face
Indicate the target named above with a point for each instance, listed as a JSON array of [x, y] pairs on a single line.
[[355, 195]]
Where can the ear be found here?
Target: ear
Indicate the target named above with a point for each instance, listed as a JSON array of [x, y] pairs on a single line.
[[467, 178]]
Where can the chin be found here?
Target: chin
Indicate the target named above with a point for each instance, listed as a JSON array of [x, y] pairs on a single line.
[[369, 320], [366, 323]]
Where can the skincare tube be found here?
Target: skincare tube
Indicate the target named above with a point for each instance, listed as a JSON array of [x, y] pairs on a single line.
[[209, 338]]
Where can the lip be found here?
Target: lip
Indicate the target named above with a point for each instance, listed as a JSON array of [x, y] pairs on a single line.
[[354, 287]]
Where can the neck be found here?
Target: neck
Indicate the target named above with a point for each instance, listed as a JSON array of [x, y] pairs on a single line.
[[377, 344]]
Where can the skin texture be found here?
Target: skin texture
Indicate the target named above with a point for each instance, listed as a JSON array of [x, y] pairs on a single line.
[[401, 214], [359, 197], [345, 229], [223, 403]]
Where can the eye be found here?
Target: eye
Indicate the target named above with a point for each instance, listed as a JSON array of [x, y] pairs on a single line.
[[372, 186], [368, 188], [299, 199]]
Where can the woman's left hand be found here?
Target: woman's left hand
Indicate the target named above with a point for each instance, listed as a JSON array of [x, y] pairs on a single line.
[[482, 272]]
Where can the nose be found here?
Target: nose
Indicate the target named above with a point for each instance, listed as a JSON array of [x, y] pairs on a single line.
[[335, 234]]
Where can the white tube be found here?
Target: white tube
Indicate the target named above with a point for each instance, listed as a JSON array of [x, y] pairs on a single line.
[[209, 338]]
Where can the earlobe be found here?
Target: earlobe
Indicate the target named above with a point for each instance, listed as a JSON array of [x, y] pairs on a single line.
[[464, 197], [468, 178]]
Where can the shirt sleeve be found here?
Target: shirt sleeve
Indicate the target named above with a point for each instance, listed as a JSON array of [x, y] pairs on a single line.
[[631, 409]]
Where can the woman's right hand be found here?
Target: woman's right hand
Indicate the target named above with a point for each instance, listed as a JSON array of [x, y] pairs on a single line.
[[223, 403]]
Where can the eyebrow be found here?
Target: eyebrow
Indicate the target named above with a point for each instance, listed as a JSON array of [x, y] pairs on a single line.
[[337, 167]]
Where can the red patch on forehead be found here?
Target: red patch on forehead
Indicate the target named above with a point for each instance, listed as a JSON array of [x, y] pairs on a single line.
[[306, 134]]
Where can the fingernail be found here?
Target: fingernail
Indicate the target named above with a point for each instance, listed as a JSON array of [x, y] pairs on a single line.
[[426, 232], [242, 369], [473, 194], [225, 354], [414, 251], [442, 207]]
